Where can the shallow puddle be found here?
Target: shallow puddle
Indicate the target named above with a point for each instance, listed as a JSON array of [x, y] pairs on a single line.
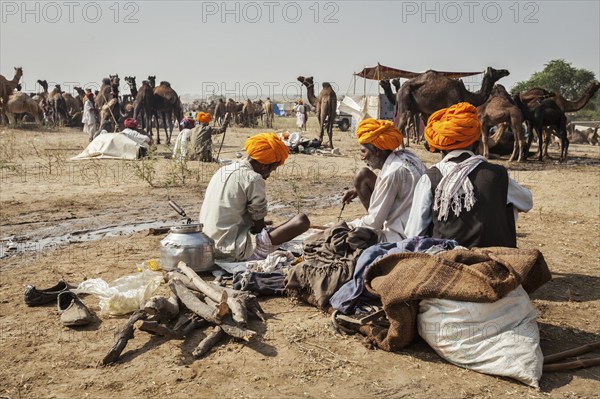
[[21, 244]]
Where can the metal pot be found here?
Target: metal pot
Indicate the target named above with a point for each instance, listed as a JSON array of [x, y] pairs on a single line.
[[187, 244]]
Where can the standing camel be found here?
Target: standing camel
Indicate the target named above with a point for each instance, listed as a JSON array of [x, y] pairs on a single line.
[[546, 114], [325, 104], [248, 114], [219, 112], [534, 96], [500, 108], [142, 106], [167, 103], [432, 91], [269, 112], [6, 89]]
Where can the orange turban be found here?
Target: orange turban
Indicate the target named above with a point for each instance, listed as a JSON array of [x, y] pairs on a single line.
[[267, 148], [203, 117], [453, 128], [380, 133]]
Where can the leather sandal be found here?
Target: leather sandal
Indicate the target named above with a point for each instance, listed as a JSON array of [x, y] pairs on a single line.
[[35, 297], [72, 311]]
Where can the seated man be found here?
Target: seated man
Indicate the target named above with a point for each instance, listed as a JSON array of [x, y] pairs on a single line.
[[132, 132], [235, 204], [201, 137], [387, 197], [464, 197]]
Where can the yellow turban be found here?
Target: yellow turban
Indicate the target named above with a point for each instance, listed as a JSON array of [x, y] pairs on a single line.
[[453, 128], [382, 134], [203, 117], [267, 148]]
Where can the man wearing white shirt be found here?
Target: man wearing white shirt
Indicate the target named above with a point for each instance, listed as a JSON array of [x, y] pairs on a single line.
[[464, 197], [388, 196]]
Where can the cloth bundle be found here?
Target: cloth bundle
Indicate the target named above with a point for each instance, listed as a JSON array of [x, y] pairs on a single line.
[[329, 258]]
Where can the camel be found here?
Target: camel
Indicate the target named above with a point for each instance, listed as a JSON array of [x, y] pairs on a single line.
[[132, 86], [500, 108], [166, 102], [219, 112], [21, 103], [109, 85], [546, 114], [142, 105], [6, 89], [325, 104], [248, 113], [387, 90], [533, 96], [269, 113], [234, 108], [57, 102], [432, 91]]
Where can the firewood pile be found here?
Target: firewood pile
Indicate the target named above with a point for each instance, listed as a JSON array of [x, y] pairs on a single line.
[[194, 303]]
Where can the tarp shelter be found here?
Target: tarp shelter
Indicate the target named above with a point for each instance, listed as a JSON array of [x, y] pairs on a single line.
[[277, 110], [379, 106]]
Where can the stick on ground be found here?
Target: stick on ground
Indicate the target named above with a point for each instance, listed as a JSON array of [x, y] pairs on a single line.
[[207, 343], [122, 337]]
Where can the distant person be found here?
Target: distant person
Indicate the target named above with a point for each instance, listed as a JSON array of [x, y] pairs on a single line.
[[387, 197], [182, 143], [90, 115], [201, 137], [300, 110], [235, 204], [464, 197]]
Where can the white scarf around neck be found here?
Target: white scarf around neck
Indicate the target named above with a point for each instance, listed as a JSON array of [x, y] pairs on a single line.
[[455, 183]]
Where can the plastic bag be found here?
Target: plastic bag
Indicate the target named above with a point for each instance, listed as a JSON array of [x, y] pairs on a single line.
[[125, 294]]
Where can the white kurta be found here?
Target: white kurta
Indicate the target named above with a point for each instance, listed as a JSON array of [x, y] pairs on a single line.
[[234, 199], [392, 197], [182, 144], [89, 118], [139, 138], [300, 115]]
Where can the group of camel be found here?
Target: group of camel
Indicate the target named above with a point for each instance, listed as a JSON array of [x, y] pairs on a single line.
[[540, 110], [537, 108]]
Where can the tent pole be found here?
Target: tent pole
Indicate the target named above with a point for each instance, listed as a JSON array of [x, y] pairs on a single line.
[[378, 85], [354, 90]]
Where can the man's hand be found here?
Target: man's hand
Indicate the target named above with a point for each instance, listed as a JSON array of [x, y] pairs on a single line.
[[349, 196], [258, 226]]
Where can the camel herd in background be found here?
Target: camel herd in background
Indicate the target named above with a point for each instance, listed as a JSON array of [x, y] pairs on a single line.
[[542, 112]]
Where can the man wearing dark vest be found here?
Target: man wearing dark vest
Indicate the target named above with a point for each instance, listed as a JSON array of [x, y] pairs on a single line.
[[464, 197]]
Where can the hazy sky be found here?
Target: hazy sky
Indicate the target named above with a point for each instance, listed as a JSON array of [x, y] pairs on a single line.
[[242, 48]]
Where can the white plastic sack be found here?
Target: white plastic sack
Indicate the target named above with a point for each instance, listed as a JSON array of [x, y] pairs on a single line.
[[125, 294], [500, 338]]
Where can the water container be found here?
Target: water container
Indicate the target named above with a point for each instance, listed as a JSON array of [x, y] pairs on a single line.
[[187, 244]]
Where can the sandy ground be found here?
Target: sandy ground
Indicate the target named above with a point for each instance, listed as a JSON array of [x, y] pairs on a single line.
[[296, 354]]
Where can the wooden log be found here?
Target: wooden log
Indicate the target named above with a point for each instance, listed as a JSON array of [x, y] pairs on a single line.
[[580, 350], [576, 364], [206, 312], [122, 337], [154, 327], [215, 292], [207, 343], [192, 303], [164, 309], [184, 279]]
